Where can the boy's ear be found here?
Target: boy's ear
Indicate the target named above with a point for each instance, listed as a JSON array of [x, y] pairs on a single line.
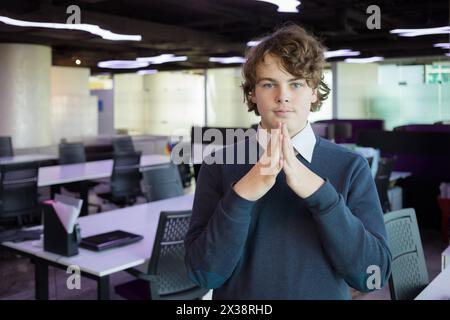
[[252, 94], [314, 96]]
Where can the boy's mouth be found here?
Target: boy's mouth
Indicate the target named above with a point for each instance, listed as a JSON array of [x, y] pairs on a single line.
[[283, 113]]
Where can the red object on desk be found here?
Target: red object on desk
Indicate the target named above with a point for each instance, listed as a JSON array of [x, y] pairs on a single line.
[[444, 204]]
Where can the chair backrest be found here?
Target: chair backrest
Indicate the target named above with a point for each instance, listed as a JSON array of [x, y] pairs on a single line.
[[162, 182], [6, 149], [409, 271], [385, 167], [208, 135], [71, 153], [126, 177], [167, 261], [339, 131], [320, 129], [18, 189], [123, 145]]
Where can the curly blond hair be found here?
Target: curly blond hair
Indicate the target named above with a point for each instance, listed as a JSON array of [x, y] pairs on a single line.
[[300, 53]]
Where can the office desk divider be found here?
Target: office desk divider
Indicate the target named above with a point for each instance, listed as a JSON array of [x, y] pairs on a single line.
[[56, 238]]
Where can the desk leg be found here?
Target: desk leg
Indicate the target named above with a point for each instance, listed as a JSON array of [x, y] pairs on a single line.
[[40, 279], [445, 209], [54, 188], [103, 288], [84, 195]]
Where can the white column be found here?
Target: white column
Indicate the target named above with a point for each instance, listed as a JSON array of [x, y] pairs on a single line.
[[25, 94]]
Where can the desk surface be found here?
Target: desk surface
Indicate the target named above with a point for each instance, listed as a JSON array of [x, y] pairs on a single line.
[[395, 175], [140, 219], [438, 289], [27, 158], [88, 170]]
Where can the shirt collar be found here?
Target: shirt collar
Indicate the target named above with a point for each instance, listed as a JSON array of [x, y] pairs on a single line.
[[303, 142]]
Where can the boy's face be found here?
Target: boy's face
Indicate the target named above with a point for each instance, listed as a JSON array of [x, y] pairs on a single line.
[[281, 97]]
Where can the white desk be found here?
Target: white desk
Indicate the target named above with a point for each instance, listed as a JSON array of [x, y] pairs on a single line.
[[395, 175], [195, 153], [60, 174], [141, 219], [438, 289], [26, 158]]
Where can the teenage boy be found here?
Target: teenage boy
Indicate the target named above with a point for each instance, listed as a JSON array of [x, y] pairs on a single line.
[[305, 221]]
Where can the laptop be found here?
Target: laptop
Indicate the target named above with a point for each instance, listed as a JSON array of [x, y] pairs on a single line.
[[108, 240]]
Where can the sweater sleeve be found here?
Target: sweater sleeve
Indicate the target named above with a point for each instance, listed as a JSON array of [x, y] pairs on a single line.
[[218, 230], [353, 234]]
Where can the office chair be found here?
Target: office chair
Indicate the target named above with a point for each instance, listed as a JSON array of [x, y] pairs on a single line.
[[339, 132], [186, 174], [19, 191], [385, 167], [162, 182], [6, 149], [320, 129], [123, 145], [409, 271], [72, 153], [125, 179], [166, 276]]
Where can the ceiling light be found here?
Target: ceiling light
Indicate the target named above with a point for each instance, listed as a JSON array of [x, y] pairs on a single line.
[[122, 64], [162, 58], [253, 43], [93, 29], [148, 71], [363, 60], [341, 53], [285, 5], [227, 60], [421, 32], [442, 45], [78, 62]]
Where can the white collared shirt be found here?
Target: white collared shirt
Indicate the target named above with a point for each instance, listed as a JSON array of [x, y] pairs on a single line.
[[303, 142]]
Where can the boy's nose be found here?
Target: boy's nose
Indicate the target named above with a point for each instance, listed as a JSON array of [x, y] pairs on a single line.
[[282, 96]]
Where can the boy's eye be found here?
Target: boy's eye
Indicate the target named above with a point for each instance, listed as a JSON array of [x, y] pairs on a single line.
[[267, 85], [296, 85]]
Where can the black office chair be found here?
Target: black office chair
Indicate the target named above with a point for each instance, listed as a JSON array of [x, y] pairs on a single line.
[[6, 149], [339, 132], [19, 191], [125, 180], [385, 167], [72, 153], [123, 145], [166, 276], [186, 174], [320, 129], [162, 182], [409, 274]]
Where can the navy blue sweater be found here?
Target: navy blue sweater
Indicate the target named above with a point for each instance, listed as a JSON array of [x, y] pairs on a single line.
[[282, 246]]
